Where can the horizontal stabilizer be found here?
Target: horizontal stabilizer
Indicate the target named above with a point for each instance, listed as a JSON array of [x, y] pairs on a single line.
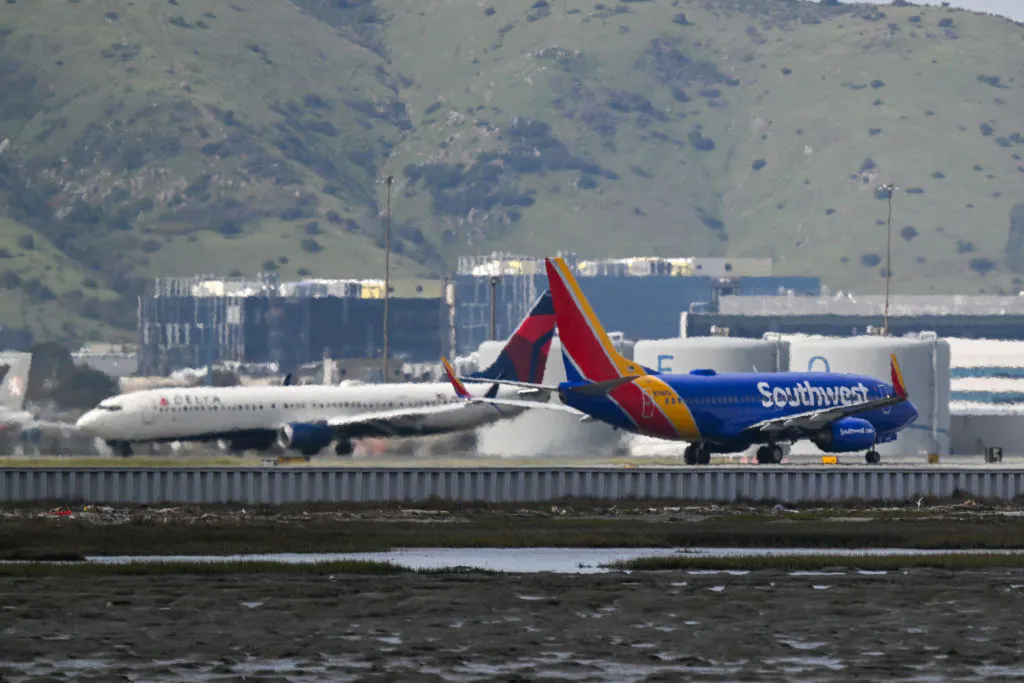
[[532, 405], [511, 383], [602, 388]]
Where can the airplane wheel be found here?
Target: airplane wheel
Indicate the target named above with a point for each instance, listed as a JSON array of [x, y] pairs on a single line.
[[690, 454], [343, 448], [873, 457], [704, 455], [770, 455]]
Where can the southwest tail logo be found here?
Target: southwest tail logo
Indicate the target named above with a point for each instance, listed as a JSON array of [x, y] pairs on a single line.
[[897, 377], [588, 352], [525, 355]]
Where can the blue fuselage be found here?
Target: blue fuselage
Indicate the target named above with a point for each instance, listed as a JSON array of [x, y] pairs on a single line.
[[717, 408]]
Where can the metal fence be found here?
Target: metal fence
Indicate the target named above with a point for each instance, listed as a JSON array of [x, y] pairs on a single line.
[[498, 485]]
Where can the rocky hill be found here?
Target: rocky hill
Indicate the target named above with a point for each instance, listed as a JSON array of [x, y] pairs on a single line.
[[182, 136]]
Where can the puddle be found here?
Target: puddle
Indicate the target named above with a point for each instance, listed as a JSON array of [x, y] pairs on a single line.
[[556, 560]]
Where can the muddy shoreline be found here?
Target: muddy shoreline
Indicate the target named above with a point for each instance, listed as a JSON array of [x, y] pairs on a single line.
[[766, 626], [33, 532]]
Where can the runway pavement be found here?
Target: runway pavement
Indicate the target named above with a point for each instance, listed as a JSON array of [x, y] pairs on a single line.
[[1013, 462]]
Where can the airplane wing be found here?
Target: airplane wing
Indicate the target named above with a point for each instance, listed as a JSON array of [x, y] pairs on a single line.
[[815, 419], [412, 421], [385, 423]]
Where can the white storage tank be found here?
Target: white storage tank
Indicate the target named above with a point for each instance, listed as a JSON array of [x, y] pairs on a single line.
[[721, 354], [546, 432], [924, 361]]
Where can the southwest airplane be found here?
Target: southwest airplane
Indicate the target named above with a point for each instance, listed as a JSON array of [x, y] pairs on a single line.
[[712, 412], [309, 418]]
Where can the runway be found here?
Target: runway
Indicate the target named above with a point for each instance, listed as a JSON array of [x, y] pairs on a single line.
[[1009, 462]]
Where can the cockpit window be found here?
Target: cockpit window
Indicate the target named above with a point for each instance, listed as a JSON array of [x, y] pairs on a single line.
[[112, 407]]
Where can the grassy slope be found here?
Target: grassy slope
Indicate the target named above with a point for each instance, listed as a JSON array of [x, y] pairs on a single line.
[[127, 111], [813, 128], [124, 107]]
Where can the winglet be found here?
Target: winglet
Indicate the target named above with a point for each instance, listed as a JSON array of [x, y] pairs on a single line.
[[897, 377], [460, 388]]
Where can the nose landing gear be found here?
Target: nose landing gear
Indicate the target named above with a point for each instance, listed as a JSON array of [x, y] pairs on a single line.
[[122, 448]]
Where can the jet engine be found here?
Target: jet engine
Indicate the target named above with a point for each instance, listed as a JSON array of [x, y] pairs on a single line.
[[846, 435], [308, 439]]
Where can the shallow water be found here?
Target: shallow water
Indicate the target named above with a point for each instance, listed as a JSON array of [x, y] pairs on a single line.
[[529, 560], [923, 625]]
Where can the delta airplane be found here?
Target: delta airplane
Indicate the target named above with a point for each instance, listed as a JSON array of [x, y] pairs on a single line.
[[309, 418], [714, 412]]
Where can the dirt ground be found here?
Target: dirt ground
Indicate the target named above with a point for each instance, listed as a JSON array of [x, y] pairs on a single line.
[[761, 626], [34, 532]]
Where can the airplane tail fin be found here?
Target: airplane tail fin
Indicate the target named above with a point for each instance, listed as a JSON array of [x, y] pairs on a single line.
[[460, 388], [588, 353], [15, 383], [525, 355], [897, 377]]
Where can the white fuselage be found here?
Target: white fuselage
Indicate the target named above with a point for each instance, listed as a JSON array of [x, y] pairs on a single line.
[[211, 413], [15, 418]]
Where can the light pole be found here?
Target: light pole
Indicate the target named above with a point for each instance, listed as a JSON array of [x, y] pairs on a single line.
[[387, 273], [889, 188], [494, 284]]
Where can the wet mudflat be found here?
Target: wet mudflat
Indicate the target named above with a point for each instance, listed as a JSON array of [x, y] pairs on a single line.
[[46, 532], [917, 625]]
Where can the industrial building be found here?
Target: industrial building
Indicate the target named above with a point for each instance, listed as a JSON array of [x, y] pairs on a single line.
[[971, 317], [193, 322], [638, 296]]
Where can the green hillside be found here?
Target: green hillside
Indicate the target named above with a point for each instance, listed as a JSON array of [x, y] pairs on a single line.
[[182, 136]]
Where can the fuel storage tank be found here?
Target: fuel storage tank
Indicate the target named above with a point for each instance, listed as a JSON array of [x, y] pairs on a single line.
[[721, 354], [547, 432], [924, 360]]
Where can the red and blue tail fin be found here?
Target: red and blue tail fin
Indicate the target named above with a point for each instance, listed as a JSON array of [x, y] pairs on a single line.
[[525, 355], [588, 353]]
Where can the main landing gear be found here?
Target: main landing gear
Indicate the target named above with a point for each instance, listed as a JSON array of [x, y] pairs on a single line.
[[343, 448], [697, 454], [770, 454], [122, 448], [872, 457]]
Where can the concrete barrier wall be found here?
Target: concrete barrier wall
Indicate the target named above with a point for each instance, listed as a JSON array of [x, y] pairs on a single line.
[[718, 484], [973, 433]]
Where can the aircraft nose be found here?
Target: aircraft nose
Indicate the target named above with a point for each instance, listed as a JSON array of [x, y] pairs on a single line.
[[912, 413], [88, 421]]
